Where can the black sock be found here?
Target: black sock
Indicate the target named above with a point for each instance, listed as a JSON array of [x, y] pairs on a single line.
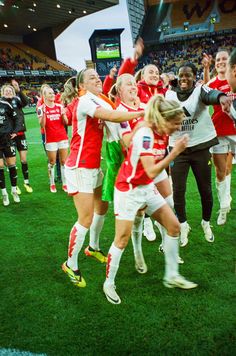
[[24, 167], [2, 179], [13, 175]]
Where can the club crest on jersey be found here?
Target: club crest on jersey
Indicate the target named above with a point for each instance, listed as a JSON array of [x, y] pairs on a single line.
[[124, 125], [146, 142]]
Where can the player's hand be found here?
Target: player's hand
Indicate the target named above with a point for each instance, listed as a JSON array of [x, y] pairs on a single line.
[[15, 85], [138, 49], [13, 135], [113, 72], [225, 102], [181, 144], [206, 60]]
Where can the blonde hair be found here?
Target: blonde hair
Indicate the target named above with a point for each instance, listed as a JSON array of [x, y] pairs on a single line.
[[70, 91], [43, 86], [8, 86], [159, 111], [114, 91]]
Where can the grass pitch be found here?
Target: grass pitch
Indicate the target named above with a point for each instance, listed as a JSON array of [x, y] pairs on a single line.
[[42, 312]]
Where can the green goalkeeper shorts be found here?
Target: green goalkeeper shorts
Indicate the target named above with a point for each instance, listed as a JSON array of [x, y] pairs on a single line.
[[114, 158]]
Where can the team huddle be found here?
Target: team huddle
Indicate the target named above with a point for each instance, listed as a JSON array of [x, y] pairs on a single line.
[[154, 135]]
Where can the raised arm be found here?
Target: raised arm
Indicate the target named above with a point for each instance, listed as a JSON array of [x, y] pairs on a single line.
[[116, 116]]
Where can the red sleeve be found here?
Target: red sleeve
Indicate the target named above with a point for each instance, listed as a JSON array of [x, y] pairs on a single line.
[[107, 84], [69, 114], [128, 66]]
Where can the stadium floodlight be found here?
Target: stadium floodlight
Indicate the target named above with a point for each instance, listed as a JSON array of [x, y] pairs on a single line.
[[213, 18], [186, 26], [164, 26]]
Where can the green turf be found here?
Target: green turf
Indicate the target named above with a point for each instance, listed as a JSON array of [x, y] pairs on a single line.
[[42, 312]]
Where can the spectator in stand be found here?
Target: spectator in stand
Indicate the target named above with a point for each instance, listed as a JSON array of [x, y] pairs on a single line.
[[9, 126], [226, 133], [52, 119], [19, 101]]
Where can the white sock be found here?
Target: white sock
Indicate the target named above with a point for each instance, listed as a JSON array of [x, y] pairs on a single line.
[[77, 237], [63, 178], [95, 229], [169, 200], [228, 186], [51, 173], [222, 193], [137, 235], [114, 256], [171, 256], [13, 189], [26, 181], [4, 191]]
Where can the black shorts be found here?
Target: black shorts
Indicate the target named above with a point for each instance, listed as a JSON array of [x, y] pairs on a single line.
[[7, 151], [21, 143]]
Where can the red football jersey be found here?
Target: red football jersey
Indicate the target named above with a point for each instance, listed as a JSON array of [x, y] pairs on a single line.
[[223, 123], [54, 126], [132, 173], [87, 133]]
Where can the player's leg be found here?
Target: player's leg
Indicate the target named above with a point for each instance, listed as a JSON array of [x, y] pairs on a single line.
[[100, 210], [52, 155], [10, 155], [63, 153], [201, 167], [179, 173], [219, 154], [123, 231], [25, 169], [172, 279], [5, 198]]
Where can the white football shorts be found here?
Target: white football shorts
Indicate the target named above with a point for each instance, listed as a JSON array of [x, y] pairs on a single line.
[[126, 204], [83, 180], [162, 176], [226, 144], [55, 146]]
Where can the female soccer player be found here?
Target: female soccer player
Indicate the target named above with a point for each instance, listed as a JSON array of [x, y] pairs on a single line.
[[83, 172], [9, 126], [231, 77], [52, 118], [226, 133], [135, 190], [202, 135], [19, 101]]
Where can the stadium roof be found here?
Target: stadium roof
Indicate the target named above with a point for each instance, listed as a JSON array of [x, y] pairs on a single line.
[[22, 17]]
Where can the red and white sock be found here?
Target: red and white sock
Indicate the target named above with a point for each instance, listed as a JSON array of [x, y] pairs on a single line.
[[95, 230], [51, 173], [77, 237], [114, 256]]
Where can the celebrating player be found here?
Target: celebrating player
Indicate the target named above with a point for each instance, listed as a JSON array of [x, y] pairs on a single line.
[[135, 190], [83, 172], [202, 135]]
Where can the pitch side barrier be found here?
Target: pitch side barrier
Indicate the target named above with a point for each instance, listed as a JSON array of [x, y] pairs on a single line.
[[36, 73]]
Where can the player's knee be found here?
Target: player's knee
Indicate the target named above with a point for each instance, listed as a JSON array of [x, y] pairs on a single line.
[[174, 228], [121, 241]]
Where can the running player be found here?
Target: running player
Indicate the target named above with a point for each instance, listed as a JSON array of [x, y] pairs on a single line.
[[52, 119], [135, 190], [83, 172], [9, 126]]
